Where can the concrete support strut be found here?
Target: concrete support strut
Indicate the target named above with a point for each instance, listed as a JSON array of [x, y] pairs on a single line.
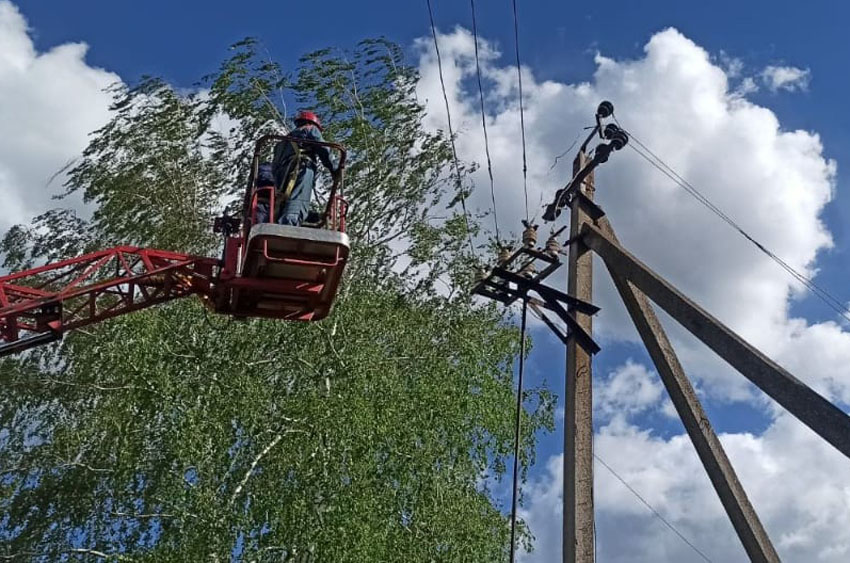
[[828, 421], [744, 519], [578, 528]]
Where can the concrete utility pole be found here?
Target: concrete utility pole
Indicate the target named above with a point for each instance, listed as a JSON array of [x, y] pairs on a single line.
[[828, 421], [741, 513], [638, 285], [578, 408]]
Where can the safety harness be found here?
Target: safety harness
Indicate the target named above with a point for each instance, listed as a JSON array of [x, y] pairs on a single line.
[[292, 173]]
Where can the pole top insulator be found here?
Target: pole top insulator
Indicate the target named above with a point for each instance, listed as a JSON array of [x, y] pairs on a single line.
[[605, 109], [616, 135]]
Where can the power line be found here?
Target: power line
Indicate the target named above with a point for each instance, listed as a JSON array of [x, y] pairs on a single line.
[[517, 428], [566, 151], [451, 133], [830, 300], [484, 124], [521, 112], [649, 506]]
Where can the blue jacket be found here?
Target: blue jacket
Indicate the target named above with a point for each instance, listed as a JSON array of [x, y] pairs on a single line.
[[283, 151]]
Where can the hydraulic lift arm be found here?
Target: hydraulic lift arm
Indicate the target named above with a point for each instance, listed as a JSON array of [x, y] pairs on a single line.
[[38, 305]]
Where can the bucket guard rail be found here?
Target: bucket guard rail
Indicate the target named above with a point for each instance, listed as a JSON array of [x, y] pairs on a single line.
[[333, 216]]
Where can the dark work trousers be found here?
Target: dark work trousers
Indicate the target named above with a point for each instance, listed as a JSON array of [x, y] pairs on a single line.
[[295, 209]]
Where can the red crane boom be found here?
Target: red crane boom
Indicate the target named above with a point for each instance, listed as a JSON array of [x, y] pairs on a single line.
[[266, 270], [38, 305]]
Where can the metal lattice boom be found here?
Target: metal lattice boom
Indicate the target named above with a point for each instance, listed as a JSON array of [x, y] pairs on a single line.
[[40, 304]]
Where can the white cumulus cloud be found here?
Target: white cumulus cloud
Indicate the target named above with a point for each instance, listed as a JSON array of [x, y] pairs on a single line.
[[789, 78], [774, 182], [629, 389], [796, 483], [49, 103]]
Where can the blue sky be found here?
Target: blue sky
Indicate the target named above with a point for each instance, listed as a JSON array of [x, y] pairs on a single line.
[[184, 41], [559, 42]]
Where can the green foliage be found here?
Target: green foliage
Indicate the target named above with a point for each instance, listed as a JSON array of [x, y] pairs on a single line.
[[53, 236], [172, 435], [147, 174]]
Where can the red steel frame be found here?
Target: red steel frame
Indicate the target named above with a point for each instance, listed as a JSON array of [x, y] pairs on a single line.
[[40, 304], [333, 218]]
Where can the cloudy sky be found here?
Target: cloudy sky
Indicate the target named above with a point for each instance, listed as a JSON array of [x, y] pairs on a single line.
[[746, 104]]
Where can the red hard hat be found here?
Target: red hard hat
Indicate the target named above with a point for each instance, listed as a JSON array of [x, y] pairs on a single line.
[[309, 117]]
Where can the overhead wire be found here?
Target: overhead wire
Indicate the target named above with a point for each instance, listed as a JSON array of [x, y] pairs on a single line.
[[651, 508], [484, 124], [830, 300], [451, 133], [671, 174], [563, 154], [521, 111], [518, 428]]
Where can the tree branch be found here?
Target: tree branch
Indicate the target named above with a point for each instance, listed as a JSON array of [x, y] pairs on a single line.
[[143, 516], [86, 466], [97, 553], [50, 380], [253, 465], [78, 550]]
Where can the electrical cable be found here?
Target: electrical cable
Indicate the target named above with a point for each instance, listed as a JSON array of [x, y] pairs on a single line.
[[649, 506], [521, 112], [830, 300], [484, 124], [517, 428], [451, 133], [563, 154]]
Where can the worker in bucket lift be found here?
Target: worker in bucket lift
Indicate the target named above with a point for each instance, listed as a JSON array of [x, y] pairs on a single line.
[[294, 170]]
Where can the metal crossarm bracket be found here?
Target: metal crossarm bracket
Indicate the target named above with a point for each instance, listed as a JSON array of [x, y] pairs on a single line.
[[553, 300], [506, 286], [565, 196], [581, 335], [495, 287], [536, 305], [547, 292]]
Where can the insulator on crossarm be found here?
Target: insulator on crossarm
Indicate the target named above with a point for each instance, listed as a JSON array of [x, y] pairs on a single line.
[[553, 247], [528, 270], [529, 235], [504, 254]]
